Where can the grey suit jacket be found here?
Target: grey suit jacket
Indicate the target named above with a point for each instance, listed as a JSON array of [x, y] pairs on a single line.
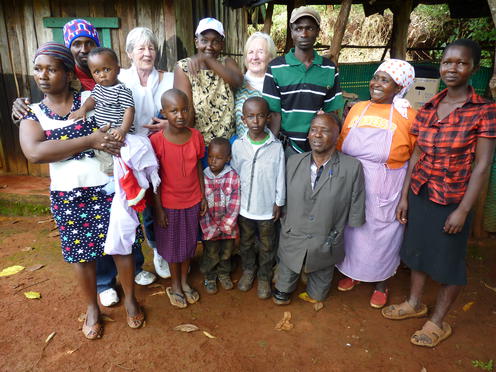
[[314, 220]]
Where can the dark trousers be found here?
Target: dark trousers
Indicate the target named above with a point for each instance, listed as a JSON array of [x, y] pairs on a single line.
[[216, 258], [148, 225], [264, 250]]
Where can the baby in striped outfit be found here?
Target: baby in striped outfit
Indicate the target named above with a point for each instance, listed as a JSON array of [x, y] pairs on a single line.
[[112, 101]]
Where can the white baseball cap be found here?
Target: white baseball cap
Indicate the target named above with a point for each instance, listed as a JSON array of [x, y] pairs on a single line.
[[209, 24]]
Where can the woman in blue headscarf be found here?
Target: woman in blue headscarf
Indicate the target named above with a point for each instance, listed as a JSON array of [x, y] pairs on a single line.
[[79, 206]]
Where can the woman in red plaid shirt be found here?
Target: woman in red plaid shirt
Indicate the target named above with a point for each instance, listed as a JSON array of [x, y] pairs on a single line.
[[456, 133]]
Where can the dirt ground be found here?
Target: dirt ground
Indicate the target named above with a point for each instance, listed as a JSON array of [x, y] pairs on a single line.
[[346, 335]]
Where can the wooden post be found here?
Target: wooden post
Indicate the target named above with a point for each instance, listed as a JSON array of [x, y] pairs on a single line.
[[292, 4], [185, 29], [268, 18], [339, 29], [170, 42], [401, 21]]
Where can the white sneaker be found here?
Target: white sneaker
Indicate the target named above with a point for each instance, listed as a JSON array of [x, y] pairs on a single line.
[[145, 278], [161, 265], [108, 297]]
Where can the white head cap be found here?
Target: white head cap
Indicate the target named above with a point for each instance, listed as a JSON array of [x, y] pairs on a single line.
[[209, 24]]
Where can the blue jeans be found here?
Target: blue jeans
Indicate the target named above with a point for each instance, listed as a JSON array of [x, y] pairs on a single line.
[[148, 225], [106, 270]]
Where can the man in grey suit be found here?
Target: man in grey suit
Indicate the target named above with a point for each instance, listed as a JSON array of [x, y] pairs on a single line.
[[325, 192]]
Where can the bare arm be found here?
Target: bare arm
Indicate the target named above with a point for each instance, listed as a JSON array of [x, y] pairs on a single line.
[[128, 119], [229, 72], [181, 82], [203, 206], [483, 158], [159, 213], [127, 122], [88, 105], [402, 208], [38, 149]]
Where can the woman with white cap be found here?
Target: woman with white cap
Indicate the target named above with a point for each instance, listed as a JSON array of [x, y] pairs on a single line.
[[377, 133], [209, 80]]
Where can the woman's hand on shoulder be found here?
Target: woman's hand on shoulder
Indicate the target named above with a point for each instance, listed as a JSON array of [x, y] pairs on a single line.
[[455, 221], [102, 140], [20, 107], [156, 125]]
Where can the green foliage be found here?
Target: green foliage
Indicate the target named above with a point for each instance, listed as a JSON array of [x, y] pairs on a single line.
[[486, 366], [431, 26], [22, 208]]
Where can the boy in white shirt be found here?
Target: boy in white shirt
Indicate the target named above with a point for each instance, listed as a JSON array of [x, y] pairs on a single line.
[[258, 158]]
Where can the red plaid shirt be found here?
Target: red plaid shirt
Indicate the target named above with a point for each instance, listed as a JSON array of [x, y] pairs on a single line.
[[448, 146], [223, 198]]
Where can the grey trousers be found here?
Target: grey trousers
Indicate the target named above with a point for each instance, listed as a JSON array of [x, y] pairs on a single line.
[[318, 284]]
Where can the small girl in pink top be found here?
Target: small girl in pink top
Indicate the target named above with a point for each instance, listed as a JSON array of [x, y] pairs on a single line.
[[181, 199]]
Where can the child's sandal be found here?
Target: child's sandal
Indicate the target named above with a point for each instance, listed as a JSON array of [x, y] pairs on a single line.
[[192, 296], [176, 299]]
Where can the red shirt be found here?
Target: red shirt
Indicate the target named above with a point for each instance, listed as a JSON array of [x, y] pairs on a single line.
[[180, 186], [448, 146], [87, 81]]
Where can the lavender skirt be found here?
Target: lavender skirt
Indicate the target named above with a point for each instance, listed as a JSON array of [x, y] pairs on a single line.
[[177, 242]]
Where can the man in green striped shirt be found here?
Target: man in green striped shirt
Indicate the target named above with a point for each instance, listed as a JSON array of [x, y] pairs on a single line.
[[300, 83]]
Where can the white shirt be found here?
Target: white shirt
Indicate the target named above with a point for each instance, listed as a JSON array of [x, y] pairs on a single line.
[[146, 99]]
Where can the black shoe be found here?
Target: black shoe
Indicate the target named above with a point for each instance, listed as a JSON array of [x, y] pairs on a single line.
[[281, 298]]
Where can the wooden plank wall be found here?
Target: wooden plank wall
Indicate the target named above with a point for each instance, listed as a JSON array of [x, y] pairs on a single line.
[[22, 31]]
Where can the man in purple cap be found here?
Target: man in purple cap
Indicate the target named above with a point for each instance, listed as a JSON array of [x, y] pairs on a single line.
[[81, 37]]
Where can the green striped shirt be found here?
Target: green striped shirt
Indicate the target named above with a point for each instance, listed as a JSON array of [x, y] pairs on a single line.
[[298, 93]]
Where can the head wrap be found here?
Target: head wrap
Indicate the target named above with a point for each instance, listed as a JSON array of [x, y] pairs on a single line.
[[79, 28], [403, 74], [57, 51]]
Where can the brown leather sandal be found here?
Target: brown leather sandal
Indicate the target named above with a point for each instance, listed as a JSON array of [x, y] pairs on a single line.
[[403, 311], [92, 332], [430, 335], [137, 320]]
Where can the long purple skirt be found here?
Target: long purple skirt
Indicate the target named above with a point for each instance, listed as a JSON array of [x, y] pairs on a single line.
[[177, 242]]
